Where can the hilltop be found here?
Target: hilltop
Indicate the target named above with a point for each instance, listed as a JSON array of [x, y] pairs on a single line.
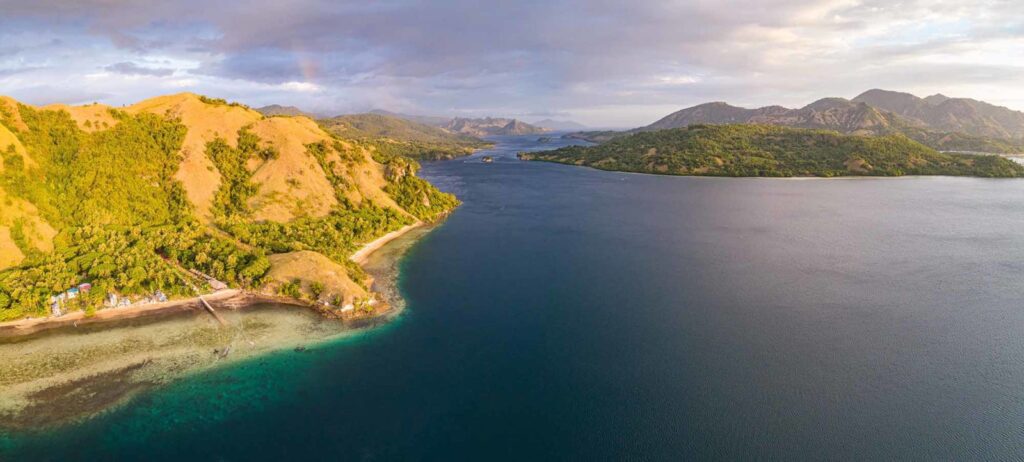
[[147, 197], [403, 137], [942, 113], [289, 111], [946, 124], [768, 150]]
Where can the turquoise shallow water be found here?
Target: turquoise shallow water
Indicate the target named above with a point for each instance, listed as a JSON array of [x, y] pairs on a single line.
[[570, 314]]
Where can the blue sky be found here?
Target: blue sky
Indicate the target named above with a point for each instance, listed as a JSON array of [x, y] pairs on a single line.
[[603, 63]]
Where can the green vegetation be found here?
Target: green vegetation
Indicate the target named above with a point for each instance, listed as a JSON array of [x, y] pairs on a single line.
[[316, 288], [760, 150], [236, 188], [291, 289], [336, 235], [320, 151], [392, 136], [123, 175], [124, 223], [220, 102], [962, 142], [125, 226], [414, 194], [130, 260], [231, 199], [940, 141]]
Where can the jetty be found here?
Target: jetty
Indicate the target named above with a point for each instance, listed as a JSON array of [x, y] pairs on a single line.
[[212, 311]]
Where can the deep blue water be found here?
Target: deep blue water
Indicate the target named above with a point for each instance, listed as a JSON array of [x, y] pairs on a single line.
[[565, 313]]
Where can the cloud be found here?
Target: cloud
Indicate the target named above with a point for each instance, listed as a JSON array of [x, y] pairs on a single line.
[[304, 87], [598, 59], [130, 68]]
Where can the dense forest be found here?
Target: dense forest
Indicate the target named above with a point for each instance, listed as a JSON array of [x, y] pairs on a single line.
[[940, 141], [125, 225], [763, 150]]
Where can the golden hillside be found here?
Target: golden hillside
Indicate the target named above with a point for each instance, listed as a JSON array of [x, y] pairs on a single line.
[[235, 181]]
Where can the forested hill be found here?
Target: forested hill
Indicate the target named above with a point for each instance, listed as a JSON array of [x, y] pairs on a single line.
[[763, 150], [139, 199], [403, 137]]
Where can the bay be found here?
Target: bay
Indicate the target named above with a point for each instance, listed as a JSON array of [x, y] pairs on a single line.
[[565, 313]]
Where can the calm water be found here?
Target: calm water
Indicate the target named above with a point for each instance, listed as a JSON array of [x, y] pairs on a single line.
[[570, 314]]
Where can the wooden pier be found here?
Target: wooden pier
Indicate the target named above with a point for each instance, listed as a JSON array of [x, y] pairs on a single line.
[[212, 311]]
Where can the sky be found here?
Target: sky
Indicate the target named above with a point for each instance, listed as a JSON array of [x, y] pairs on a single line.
[[601, 63]]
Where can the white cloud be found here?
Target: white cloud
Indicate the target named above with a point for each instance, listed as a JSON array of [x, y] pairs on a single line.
[[603, 63], [304, 87]]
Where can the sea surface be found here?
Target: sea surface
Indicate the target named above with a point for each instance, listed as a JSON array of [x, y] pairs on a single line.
[[565, 313]]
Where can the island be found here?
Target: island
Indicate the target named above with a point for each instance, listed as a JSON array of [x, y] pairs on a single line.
[[774, 151], [186, 195], [179, 217]]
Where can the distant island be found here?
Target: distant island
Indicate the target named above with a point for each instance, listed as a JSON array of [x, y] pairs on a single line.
[[938, 121], [478, 127], [560, 125], [774, 151]]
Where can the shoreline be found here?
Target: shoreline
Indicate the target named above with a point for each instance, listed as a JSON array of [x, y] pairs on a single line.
[[58, 371], [230, 299], [362, 255], [787, 178], [76, 318]]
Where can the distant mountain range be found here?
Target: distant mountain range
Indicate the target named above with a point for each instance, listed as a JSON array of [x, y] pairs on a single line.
[[491, 126], [942, 113], [435, 121], [479, 127], [951, 124], [405, 137], [560, 125]]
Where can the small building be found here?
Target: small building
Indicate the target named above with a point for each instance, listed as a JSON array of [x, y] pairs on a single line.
[[160, 297]]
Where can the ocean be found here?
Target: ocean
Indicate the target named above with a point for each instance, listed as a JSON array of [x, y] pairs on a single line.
[[566, 313]]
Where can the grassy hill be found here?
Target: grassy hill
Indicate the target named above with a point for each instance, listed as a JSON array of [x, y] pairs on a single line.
[[767, 150], [403, 137], [131, 199]]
